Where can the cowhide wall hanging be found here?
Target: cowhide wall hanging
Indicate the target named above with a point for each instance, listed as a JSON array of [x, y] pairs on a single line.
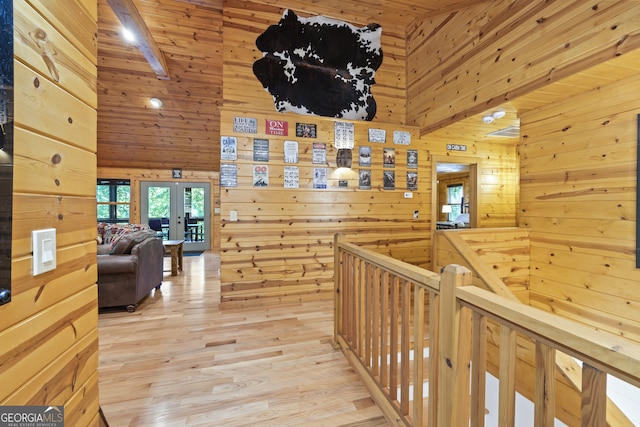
[[320, 66]]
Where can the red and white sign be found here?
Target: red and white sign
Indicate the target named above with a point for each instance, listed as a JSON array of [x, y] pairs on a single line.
[[277, 127]]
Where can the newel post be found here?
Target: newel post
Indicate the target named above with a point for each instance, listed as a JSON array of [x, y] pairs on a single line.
[[454, 356]]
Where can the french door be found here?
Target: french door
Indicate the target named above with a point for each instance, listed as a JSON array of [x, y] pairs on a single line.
[[178, 211]]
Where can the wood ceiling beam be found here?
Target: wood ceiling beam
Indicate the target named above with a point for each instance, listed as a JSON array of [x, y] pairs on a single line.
[[131, 19]]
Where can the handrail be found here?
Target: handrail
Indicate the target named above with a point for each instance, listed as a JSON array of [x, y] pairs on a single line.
[[392, 317], [569, 367]]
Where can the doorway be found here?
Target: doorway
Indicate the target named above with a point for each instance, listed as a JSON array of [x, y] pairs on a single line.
[[178, 211], [449, 176]]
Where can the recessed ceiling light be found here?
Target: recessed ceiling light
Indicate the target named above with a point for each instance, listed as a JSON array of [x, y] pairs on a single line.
[[488, 119], [128, 35], [156, 102]]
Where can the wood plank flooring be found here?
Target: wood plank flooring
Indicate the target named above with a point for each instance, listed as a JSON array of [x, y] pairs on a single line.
[[181, 361]]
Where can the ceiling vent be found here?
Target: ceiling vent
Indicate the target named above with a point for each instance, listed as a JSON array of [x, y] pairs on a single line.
[[508, 132]]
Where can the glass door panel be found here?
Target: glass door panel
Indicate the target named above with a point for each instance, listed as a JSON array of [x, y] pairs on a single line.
[[178, 211]]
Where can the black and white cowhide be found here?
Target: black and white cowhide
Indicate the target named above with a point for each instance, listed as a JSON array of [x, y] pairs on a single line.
[[320, 66]]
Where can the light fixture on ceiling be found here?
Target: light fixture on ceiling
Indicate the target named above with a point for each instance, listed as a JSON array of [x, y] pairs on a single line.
[[128, 35], [498, 114], [489, 118], [155, 102]]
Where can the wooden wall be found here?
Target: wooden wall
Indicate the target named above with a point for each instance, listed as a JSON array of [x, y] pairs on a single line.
[[281, 247], [137, 175], [578, 195], [49, 352], [465, 62], [245, 20], [184, 132]]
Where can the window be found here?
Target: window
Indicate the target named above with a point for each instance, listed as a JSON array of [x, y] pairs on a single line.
[[455, 197], [114, 200]]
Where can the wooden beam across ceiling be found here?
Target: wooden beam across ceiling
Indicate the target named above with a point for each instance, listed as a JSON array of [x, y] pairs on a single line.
[[131, 19]]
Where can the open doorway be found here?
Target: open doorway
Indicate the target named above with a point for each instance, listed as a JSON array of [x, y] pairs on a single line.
[[178, 211], [455, 193]]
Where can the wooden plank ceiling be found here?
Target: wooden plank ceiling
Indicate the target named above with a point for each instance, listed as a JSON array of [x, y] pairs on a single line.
[[185, 132]]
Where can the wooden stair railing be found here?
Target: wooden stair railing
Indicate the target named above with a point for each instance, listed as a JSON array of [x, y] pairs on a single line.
[[567, 365], [401, 326]]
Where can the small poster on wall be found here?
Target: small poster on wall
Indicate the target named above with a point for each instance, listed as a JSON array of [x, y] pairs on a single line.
[[291, 177], [412, 180], [412, 159], [260, 150], [276, 127], [389, 156], [344, 135], [228, 148], [364, 181], [401, 137], [319, 153], [228, 175], [260, 175], [305, 130], [319, 177], [365, 156], [245, 125], [378, 135], [389, 180], [291, 151]]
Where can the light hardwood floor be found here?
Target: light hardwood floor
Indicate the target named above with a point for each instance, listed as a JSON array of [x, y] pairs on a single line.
[[181, 361]]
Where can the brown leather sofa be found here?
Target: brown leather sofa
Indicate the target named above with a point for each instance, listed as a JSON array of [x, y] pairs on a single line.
[[129, 269]]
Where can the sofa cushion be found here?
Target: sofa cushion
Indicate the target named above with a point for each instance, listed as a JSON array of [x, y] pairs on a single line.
[[125, 241]]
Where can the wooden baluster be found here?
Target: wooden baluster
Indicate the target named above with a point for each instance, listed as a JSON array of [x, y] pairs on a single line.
[[434, 351], [545, 391], [478, 369], [375, 322], [418, 353], [405, 347], [594, 397], [507, 385], [386, 330], [393, 349]]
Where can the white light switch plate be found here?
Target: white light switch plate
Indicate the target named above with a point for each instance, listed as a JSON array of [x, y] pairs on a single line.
[[43, 245], [233, 216]]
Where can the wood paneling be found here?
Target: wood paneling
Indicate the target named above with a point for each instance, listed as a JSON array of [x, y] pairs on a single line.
[[281, 247], [49, 331], [578, 192], [184, 133], [460, 64]]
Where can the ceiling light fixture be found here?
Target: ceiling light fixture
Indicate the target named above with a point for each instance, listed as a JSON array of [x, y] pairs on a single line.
[[489, 118], [128, 35], [156, 102], [498, 114]]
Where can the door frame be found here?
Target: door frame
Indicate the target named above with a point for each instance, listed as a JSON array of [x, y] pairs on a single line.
[[474, 194], [177, 209]]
